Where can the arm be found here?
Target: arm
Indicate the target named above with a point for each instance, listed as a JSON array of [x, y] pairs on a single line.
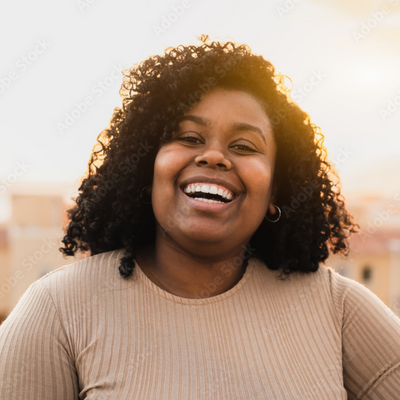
[[35, 361], [371, 342]]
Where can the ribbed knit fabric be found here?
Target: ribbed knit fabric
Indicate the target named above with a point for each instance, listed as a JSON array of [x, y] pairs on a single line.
[[82, 332]]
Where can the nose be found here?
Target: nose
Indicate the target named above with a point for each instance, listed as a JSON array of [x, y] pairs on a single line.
[[213, 158]]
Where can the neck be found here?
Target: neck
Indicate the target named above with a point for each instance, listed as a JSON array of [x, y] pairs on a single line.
[[190, 275]]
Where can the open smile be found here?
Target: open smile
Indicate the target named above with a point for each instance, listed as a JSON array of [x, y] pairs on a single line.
[[208, 192]]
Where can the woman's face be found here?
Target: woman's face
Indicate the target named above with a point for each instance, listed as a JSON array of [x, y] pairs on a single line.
[[212, 182]]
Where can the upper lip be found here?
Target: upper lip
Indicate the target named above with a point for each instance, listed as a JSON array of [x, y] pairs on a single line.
[[206, 179]]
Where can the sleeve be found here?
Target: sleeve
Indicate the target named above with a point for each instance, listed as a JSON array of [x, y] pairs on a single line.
[[370, 341], [35, 360]]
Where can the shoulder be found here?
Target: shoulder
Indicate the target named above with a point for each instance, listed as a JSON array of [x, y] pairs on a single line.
[[299, 293], [371, 340], [325, 281], [101, 268], [79, 289], [325, 287], [355, 303], [82, 291], [311, 284], [365, 330]]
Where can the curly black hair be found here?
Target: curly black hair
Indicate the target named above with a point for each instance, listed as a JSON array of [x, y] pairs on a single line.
[[109, 213]]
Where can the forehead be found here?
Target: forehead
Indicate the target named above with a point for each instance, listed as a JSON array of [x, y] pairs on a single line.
[[232, 106], [232, 97]]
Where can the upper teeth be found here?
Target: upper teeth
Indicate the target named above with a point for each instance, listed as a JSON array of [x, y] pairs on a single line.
[[212, 189]]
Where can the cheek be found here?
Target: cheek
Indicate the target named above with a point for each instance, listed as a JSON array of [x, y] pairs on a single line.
[[162, 162], [259, 178], [259, 191], [160, 175], [166, 168], [170, 160]]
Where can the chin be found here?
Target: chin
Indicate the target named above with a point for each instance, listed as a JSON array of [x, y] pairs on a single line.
[[201, 237], [206, 234]]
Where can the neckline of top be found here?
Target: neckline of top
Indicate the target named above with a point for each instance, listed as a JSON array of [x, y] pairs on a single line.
[[199, 301]]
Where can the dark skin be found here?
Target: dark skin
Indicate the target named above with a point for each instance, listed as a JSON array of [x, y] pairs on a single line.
[[225, 146], [170, 271]]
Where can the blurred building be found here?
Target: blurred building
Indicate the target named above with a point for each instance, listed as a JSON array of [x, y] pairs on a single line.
[[29, 244], [374, 258]]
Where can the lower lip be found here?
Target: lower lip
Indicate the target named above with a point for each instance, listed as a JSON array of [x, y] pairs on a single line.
[[205, 206]]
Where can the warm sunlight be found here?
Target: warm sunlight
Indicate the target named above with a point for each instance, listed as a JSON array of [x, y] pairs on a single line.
[[225, 226]]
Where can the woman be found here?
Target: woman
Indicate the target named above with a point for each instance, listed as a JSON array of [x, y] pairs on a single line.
[[208, 209]]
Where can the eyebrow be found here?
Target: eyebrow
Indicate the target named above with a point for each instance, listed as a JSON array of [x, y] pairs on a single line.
[[242, 126], [237, 126]]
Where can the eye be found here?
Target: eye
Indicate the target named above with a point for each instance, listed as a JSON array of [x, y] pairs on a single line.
[[243, 147], [189, 137]]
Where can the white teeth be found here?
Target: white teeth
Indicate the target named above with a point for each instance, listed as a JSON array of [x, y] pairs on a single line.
[[212, 189], [208, 200]]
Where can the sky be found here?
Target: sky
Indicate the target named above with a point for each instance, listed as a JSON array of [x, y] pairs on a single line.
[[61, 63]]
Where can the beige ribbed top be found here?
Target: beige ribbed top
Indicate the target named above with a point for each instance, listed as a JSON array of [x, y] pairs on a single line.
[[82, 332]]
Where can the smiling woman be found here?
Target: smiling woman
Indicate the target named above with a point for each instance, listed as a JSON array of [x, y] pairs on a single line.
[[223, 144], [206, 276]]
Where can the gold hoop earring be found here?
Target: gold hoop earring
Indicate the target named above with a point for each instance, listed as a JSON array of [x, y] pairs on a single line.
[[274, 220], [141, 195]]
